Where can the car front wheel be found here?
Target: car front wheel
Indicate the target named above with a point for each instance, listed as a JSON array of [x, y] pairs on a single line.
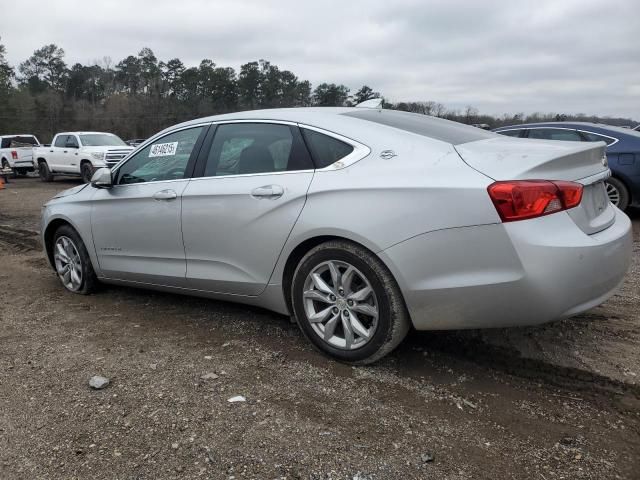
[[348, 304], [86, 170], [72, 261]]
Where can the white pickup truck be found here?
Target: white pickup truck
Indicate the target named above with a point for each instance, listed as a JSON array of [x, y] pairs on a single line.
[[16, 153], [79, 154]]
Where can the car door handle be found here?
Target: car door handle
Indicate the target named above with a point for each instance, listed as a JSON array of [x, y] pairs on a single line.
[[268, 191], [165, 195]]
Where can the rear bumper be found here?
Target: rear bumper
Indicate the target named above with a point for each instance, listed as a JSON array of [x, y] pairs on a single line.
[[520, 273], [26, 164]]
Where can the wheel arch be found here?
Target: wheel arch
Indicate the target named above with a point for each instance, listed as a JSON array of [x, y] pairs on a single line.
[[302, 248], [50, 230]]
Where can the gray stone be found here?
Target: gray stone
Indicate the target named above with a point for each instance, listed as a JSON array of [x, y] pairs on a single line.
[[98, 383]]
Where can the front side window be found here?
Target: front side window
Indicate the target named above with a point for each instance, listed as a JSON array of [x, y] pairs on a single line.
[[594, 137], [555, 134], [164, 159], [72, 142], [61, 141], [250, 148], [101, 140], [324, 149]]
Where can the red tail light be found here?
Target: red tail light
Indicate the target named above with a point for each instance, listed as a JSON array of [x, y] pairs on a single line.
[[14, 154], [523, 199]]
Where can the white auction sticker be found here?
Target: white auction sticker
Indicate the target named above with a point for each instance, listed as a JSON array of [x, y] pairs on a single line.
[[163, 149]]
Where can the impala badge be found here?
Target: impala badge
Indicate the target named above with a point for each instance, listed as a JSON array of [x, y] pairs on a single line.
[[387, 154]]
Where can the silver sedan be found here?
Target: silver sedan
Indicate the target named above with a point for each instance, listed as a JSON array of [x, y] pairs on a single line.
[[358, 222]]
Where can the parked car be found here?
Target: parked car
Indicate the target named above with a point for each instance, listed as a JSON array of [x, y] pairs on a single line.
[[135, 142], [358, 222], [79, 154], [16, 153], [623, 152]]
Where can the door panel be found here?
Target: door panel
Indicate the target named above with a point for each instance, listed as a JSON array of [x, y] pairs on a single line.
[[237, 218], [234, 231], [136, 224], [137, 237]]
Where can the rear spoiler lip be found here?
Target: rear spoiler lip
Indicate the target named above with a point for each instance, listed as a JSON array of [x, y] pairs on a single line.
[[595, 178]]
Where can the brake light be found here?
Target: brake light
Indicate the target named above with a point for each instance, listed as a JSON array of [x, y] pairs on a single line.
[[14, 155], [524, 199]]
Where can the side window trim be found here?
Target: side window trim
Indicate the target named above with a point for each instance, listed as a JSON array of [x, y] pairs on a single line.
[[201, 162], [359, 152], [188, 173], [615, 140]]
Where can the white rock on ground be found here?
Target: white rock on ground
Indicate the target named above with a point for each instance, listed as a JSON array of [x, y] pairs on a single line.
[[98, 383]]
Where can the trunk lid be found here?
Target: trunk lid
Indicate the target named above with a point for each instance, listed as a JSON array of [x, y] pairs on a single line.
[[504, 158]]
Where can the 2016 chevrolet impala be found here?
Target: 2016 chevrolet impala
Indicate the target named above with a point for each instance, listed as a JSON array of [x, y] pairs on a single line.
[[359, 222]]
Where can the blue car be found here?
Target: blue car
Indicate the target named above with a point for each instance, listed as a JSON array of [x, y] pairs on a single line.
[[623, 152]]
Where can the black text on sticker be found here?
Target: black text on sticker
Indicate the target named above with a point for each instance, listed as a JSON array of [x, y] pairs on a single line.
[[163, 149]]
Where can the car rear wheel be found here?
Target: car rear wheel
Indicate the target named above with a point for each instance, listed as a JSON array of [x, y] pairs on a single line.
[[72, 261], [348, 304], [6, 166], [617, 193], [44, 172]]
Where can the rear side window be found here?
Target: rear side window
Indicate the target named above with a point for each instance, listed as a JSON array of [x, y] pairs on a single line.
[[511, 133], [250, 148], [554, 134], [325, 150], [594, 137]]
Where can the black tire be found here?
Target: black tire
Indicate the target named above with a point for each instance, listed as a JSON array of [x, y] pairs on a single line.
[[44, 172], [622, 193], [393, 317], [86, 171], [89, 280]]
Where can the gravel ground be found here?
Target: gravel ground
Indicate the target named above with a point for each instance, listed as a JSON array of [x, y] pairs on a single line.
[[557, 401]]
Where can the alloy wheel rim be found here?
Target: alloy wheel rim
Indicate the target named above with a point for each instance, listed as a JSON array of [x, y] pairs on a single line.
[[340, 305], [613, 193], [68, 263]]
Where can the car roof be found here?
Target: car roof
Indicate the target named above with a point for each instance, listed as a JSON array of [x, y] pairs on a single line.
[[18, 135], [352, 120], [86, 133]]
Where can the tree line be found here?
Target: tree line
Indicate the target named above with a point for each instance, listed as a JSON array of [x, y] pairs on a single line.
[[141, 94]]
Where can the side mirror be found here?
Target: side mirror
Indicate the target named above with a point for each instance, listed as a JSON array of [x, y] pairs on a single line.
[[71, 145], [102, 178]]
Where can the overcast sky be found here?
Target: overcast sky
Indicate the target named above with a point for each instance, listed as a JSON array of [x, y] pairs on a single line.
[[499, 56]]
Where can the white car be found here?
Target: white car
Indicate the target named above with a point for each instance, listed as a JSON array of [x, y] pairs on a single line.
[[16, 153], [79, 154], [359, 222]]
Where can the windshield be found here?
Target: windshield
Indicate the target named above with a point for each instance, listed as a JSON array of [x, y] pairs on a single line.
[[101, 140]]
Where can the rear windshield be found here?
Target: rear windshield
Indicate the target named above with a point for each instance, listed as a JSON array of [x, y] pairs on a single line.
[[20, 141], [101, 140], [437, 128]]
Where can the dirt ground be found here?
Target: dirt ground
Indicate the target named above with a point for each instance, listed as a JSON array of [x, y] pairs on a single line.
[[561, 401]]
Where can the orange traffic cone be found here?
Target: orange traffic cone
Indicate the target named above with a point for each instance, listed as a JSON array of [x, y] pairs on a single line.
[[1, 183]]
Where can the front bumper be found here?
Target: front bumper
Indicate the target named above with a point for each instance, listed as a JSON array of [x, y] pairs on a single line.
[[499, 275]]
